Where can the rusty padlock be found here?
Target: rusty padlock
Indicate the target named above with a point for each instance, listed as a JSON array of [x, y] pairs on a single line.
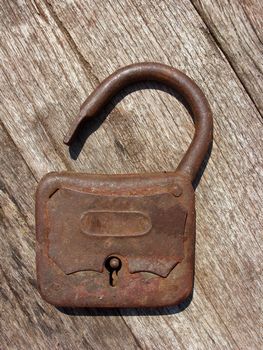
[[122, 240]]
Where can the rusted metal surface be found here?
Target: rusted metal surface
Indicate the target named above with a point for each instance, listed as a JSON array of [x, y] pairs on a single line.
[[122, 240]]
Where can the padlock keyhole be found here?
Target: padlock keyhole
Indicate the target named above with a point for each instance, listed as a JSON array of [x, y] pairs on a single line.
[[113, 265]]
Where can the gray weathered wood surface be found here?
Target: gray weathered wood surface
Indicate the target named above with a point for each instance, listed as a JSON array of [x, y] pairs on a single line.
[[53, 53]]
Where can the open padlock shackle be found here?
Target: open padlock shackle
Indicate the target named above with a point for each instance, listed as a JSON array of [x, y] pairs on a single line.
[[172, 77]]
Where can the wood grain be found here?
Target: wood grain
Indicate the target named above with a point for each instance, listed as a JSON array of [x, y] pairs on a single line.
[[53, 54], [237, 27]]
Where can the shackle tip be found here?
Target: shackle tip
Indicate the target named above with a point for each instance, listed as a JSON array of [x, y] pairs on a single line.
[[72, 130], [66, 140]]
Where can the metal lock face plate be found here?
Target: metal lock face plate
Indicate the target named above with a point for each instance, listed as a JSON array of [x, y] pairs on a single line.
[[145, 221]]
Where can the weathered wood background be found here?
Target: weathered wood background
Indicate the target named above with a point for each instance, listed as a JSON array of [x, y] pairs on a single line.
[[53, 53]]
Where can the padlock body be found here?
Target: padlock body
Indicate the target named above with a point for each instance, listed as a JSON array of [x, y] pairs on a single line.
[[146, 221]]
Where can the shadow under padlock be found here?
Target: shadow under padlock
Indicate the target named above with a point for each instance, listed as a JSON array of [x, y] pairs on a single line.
[[137, 228]]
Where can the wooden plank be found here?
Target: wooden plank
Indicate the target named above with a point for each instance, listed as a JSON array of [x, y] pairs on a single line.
[[54, 54], [27, 322], [253, 10], [237, 27], [16, 178]]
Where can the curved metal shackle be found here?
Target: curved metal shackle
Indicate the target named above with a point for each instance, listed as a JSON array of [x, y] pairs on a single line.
[[171, 77]]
